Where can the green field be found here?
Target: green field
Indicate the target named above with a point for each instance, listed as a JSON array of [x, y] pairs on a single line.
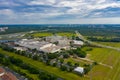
[[67, 34], [41, 34], [114, 44], [108, 57], [44, 34], [27, 73], [74, 60], [52, 70]]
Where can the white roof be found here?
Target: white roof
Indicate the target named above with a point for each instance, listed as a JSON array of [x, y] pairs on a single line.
[[79, 69], [78, 42]]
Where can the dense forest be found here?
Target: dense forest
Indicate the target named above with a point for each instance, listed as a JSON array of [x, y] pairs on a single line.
[[86, 30]]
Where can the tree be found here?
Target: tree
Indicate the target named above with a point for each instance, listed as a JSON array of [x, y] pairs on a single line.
[[54, 64], [52, 55], [61, 60], [63, 68], [65, 55], [46, 76], [36, 57], [34, 50], [76, 64], [69, 63], [80, 53], [71, 69], [48, 62], [86, 70], [94, 63]]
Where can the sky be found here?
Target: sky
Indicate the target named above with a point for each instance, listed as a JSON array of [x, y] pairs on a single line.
[[59, 11]]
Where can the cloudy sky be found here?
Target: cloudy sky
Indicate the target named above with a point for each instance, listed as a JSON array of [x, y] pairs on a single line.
[[59, 11]]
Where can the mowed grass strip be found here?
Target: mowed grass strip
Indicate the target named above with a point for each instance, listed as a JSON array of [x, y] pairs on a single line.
[[27, 73], [50, 69]]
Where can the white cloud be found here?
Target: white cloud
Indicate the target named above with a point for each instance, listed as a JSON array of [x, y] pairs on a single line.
[[103, 6], [8, 3], [6, 12], [81, 7], [39, 15], [42, 2], [77, 8]]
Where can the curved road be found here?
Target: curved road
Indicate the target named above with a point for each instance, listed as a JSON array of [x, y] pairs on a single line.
[[93, 43]]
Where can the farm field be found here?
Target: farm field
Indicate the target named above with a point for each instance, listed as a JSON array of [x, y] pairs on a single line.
[[49, 69]]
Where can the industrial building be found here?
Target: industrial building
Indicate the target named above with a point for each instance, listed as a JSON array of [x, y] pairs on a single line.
[[39, 45]]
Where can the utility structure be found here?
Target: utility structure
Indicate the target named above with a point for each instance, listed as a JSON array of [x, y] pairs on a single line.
[[93, 43]]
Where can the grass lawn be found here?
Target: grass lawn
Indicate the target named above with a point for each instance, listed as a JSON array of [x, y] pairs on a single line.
[[40, 65], [99, 72], [44, 34], [33, 76], [67, 34], [106, 56], [113, 44], [74, 60], [41, 34]]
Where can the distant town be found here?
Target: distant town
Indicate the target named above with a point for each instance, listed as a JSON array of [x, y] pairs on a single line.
[[3, 29]]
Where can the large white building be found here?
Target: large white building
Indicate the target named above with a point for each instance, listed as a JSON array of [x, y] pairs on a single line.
[[77, 43], [41, 46], [53, 38]]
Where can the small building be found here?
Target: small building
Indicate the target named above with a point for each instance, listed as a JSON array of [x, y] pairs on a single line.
[[2, 72], [20, 48], [79, 70], [6, 75]]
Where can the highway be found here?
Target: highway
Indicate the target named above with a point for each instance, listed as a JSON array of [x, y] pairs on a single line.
[[93, 43]]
